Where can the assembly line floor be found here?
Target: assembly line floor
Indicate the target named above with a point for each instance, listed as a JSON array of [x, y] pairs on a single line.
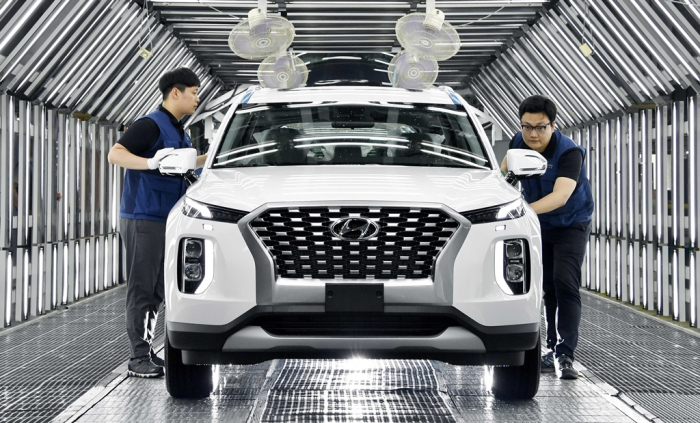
[[71, 366]]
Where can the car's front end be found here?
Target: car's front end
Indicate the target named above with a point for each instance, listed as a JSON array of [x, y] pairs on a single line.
[[328, 227]]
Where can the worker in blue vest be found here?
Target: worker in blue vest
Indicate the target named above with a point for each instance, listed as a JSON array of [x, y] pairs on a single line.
[[563, 202], [147, 199]]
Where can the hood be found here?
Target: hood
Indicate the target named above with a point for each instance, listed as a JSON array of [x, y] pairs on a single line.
[[246, 189]]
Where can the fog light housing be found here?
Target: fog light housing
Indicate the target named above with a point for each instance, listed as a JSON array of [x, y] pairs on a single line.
[[511, 266], [514, 273], [195, 267], [193, 272], [193, 249]]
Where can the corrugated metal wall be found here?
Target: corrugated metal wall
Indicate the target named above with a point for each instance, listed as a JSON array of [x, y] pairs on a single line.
[[633, 105], [59, 196]]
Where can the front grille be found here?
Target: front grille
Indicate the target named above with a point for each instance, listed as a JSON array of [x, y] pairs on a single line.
[[362, 325], [406, 246]]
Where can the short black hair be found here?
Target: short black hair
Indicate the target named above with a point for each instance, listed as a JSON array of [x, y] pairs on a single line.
[[180, 78], [538, 104]]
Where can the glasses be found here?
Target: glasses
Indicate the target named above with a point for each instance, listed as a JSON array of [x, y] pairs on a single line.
[[539, 129]]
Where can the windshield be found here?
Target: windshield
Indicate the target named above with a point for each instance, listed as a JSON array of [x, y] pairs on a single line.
[[351, 134]]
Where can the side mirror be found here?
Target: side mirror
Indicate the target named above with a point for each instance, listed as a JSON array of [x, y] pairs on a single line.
[[182, 162], [178, 162], [524, 164]]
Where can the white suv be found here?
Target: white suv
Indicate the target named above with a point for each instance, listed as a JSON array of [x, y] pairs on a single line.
[[352, 222]]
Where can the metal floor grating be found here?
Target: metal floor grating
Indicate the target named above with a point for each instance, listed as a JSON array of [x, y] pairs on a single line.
[[47, 364], [650, 362], [356, 391]]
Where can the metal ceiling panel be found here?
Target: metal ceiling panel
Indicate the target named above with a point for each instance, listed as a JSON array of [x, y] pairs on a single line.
[[83, 56], [642, 51], [339, 28]]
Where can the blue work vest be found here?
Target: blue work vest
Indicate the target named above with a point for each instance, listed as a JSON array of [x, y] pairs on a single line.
[[147, 194], [579, 207]]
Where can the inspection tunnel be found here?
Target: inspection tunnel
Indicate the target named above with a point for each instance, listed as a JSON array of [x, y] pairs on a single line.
[[366, 211]]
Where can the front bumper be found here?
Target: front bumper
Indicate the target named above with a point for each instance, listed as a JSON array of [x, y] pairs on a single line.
[[464, 341]]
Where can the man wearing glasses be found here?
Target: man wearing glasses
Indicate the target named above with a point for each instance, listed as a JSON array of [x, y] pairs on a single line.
[[563, 202]]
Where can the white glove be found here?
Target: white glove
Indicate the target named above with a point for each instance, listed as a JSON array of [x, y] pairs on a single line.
[[160, 154]]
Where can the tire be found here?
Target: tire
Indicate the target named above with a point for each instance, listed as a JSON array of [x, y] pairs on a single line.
[[186, 381], [518, 382]]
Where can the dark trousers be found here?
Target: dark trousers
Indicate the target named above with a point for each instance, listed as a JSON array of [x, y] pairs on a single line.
[[563, 250], [145, 289]]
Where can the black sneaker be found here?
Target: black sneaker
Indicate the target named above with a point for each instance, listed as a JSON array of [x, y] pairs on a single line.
[[157, 360], [144, 367], [548, 365], [566, 367]]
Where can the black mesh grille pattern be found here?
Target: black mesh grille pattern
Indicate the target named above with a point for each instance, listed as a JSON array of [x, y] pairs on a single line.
[[349, 324], [406, 247]]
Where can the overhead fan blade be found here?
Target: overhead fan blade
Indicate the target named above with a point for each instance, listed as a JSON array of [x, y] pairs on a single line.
[[420, 36], [261, 36], [283, 71], [407, 70]]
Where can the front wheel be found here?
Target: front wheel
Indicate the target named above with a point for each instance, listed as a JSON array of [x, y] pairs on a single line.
[[519, 382], [186, 381]]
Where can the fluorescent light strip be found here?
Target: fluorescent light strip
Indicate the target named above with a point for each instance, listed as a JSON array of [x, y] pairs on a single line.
[[312, 145], [660, 281], [632, 273], [592, 70], [600, 37], [76, 268], [660, 158], [618, 176], [33, 39], [693, 291], [8, 287], [645, 162], [645, 279], [64, 282], [630, 178], [54, 266], [675, 279], [239, 150], [643, 39], [668, 43], [351, 137], [674, 172], [451, 112], [618, 282], [691, 177], [554, 73], [608, 156], [597, 267], [581, 75], [613, 28], [608, 270], [97, 258], [453, 150], [40, 290], [247, 157], [115, 260], [455, 159], [87, 267], [25, 285], [20, 23]]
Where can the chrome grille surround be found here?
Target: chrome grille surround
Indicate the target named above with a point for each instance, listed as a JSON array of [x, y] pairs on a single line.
[[302, 246]]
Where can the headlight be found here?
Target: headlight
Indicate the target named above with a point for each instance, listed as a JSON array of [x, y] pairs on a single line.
[[192, 208], [512, 210]]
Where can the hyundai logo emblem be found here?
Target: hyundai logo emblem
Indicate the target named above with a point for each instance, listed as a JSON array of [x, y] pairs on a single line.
[[354, 229]]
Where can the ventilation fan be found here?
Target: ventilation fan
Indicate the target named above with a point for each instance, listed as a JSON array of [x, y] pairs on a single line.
[[408, 70], [261, 35], [284, 71], [427, 34]]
